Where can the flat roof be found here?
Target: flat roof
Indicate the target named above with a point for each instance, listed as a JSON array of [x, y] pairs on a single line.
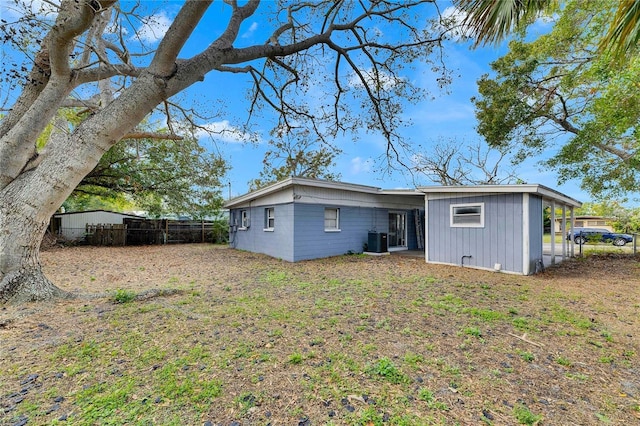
[[545, 192], [318, 183]]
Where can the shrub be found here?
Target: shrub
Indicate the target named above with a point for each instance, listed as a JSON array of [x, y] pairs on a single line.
[[123, 296]]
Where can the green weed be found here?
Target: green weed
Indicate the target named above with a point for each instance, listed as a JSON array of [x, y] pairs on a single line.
[[523, 324], [607, 336], [577, 376], [123, 296], [384, 323], [607, 359], [487, 315], [429, 397], [472, 331], [386, 369], [413, 359], [296, 358], [524, 416], [526, 356]]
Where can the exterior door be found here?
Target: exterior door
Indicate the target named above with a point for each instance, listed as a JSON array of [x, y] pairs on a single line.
[[397, 237]]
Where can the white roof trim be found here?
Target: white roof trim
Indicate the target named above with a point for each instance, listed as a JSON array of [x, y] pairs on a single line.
[[546, 193], [291, 181], [401, 192]]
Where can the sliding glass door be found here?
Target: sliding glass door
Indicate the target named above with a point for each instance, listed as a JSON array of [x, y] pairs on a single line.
[[397, 237]]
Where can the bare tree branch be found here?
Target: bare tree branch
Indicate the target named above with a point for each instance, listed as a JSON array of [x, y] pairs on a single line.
[[453, 164]]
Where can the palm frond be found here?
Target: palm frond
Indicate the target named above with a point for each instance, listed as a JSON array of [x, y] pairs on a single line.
[[491, 21], [624, 34]]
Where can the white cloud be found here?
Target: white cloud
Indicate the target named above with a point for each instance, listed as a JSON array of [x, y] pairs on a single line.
[[387, 80], [154, 28], [252, 29], [451, 20], [225, 132], [361, 165], [10, 10], [377, 31]]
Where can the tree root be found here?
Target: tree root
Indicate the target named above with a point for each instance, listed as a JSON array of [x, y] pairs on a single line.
[[143, 295], [29, 285], [157, 292]]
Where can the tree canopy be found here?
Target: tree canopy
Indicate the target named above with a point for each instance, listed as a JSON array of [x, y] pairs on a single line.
[[296, 153], [159, 176], [560, 95], [331, 67]]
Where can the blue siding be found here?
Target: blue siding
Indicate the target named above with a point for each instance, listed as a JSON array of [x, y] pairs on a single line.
[[312, 241], [536, 230], [299, 231], [277, 243], [500, 241]]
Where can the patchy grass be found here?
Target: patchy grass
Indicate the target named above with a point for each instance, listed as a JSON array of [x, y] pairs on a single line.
[[351, 340]]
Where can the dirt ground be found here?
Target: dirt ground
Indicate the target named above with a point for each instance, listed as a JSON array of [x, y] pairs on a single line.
[[471, 347]]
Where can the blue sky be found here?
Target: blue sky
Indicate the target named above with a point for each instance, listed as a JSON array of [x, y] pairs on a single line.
[[449, 115]]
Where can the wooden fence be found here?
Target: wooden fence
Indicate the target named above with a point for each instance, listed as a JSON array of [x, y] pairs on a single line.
[[151, 231], [106, 234]]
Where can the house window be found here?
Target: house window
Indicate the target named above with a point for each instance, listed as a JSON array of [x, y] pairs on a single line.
[[467, 215], [244, 219], [331, 220], [269, 218]]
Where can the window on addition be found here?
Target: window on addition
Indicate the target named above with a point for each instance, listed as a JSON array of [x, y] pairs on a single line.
[[467, 215]]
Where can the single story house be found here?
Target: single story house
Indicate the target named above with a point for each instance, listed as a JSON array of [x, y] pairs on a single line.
[[72, 225], [496, 227], [587, 222]]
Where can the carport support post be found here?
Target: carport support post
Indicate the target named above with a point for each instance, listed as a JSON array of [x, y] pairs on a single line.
[[572, 225], [426, 228], [553, 232], [526, 254], [564, 231]]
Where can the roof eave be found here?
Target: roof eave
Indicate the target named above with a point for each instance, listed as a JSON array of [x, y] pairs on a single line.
[[545, 192], [292, 181]]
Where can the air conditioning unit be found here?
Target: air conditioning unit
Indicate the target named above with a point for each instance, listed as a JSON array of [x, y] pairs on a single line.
[[377, 242]]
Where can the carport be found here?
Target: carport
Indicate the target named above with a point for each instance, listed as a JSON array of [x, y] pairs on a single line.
[[553, 252]]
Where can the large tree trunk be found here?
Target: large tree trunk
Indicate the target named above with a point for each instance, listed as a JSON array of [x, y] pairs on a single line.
[[28, 202], [22, 279]]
